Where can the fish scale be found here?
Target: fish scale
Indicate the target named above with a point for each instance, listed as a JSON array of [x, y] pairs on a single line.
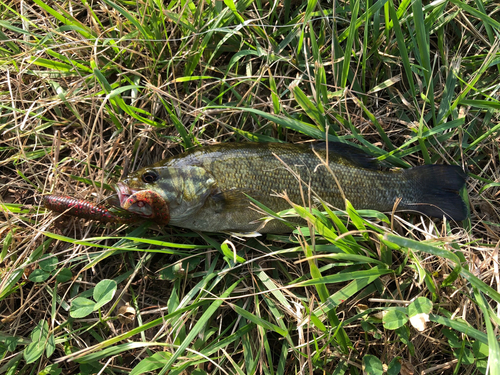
[[279, 179], [206, 189]]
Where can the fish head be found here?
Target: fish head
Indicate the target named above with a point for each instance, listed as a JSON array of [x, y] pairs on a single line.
[[164, 193]]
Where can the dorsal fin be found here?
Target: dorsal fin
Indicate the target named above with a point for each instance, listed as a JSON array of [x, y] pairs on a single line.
[[350, 153]]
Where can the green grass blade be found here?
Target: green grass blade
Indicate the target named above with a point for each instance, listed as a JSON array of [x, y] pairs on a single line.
[[310, 108], [198, 326], [348, 276], [349, 45], [422, 37], [402, 47], [494, 347]]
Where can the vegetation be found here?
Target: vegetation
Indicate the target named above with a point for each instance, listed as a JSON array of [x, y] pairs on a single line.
[[93, 89]]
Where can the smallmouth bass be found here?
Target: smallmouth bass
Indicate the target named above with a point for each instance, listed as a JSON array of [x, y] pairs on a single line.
[[206, 188]]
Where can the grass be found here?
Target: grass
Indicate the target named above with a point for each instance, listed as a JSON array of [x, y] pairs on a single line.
[[92, 90]]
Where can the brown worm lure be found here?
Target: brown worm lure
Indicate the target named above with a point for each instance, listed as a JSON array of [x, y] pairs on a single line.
[[83, 209]]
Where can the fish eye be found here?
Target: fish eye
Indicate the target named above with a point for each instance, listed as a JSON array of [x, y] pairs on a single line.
[[149, 177]]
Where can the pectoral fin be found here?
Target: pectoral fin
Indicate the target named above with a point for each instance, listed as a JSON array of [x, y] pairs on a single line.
[[234, 199]]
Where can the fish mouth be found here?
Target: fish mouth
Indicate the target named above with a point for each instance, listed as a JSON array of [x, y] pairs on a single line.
[[124, 192], [130, 202]]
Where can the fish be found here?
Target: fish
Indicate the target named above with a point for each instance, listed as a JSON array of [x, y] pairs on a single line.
[[208, 188]]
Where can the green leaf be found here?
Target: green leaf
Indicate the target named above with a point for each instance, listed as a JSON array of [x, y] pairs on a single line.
[[494, 347], [179, 269], [48, 264], [38, 341], [404, 335], [9, 282], [11, 342], [237, 56], [476, 13], [274, 94], [460, 326], [449, 89], [230, 254], [450, 279], [178, 124], [81, 307], [51, 370], [453, 340], [65, 18], [7, 241], [156, 361], [375, 122], [480, 349], [482, 365], [484, 104], [394, 319], [310, 108], [402, 49], [422, 38], [350, 43], [420, 306], [138, 24], [443, 253], [286, 122], [64, 275], [200, 323], [322, 229], [372, 365], [97, 352], [356, 218], [394, 367], [464, 355], [38, 276], [50, 348], [344, 294], [422, 246], [274, 289], [104, 292], [317, 323], [347, 276], [259, 321]]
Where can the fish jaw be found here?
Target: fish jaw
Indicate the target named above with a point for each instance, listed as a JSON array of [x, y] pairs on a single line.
[[130, 202], [145, 203], [124, 192]]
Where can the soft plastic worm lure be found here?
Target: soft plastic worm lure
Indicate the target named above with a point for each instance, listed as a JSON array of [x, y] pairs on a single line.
[[84, 209]]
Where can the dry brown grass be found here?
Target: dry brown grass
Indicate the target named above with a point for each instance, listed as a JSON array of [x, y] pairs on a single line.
[[62, 133]]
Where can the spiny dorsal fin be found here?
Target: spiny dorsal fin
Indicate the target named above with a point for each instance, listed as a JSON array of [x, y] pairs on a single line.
[[351, 154]]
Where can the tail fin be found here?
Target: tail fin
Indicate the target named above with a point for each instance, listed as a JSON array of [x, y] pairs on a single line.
[[436, 191]]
